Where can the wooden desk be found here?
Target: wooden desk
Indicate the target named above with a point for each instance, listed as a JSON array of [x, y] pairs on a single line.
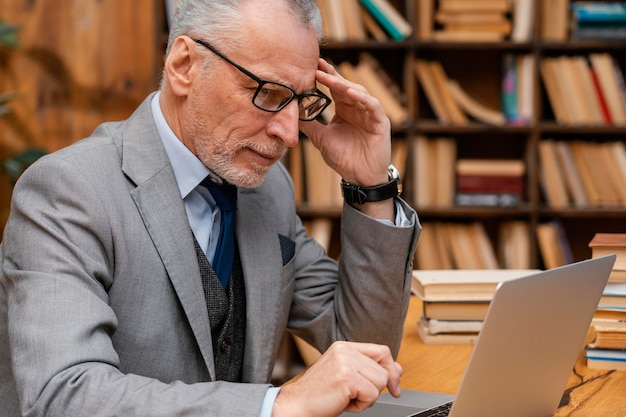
[[439, 368]]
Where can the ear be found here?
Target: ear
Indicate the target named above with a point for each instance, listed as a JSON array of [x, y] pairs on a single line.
[[179, 65]]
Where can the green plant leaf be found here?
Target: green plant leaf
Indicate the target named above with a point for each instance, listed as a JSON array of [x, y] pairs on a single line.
[[9, 35], [17, 164]]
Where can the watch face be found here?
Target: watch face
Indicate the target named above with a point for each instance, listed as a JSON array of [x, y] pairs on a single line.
[[393, 172]]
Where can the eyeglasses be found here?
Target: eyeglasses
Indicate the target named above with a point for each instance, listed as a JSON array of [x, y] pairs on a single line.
[[273, 97]]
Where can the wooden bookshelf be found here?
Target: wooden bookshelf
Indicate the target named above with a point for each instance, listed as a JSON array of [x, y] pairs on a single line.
[[478, 68]]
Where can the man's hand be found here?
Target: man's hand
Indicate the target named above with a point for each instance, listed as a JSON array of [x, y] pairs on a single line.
[[357, 141], [347, 377]]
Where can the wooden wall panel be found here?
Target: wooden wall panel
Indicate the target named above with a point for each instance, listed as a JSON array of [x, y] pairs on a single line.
[[80, 62]]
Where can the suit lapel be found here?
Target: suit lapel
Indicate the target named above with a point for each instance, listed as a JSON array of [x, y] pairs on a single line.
[[157, 197], [257, 240]]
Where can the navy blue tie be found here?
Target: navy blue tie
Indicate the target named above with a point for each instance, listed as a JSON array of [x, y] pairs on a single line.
[[225, 196]]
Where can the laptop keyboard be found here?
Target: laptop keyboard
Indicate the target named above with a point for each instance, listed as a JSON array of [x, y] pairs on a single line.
[[440, 411]]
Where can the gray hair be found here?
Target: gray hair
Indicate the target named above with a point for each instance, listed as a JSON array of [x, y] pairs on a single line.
[[220, 19]]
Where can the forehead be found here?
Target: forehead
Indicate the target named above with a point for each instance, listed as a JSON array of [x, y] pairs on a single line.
[[276, 45]]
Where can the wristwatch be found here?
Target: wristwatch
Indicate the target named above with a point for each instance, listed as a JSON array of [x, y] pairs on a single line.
[[356, 194]]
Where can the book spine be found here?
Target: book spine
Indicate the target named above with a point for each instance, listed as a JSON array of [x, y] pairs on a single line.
[[584, 12], [383, 20], [487, 199], [509, 89], [604, 107]]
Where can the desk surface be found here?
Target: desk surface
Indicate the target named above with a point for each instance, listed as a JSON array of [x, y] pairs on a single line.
[[439, 368]]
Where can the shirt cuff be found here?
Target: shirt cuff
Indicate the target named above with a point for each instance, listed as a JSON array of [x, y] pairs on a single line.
[[401, 219], [268, 402]]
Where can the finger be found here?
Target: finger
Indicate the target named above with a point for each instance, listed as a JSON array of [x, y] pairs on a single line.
[[383, 358], [394, 382]]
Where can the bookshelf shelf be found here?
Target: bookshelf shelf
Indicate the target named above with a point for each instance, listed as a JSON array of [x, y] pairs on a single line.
[[580, 130], [441, 213], [478, 67], [419, 45], [591, 213]]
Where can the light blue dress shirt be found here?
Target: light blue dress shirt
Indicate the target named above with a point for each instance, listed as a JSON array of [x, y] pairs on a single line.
[[202, 212]]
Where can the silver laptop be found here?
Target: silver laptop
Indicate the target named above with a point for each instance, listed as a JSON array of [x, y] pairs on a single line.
[[531, 337]]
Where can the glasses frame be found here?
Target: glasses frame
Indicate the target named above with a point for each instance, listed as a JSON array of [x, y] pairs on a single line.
[[262, 82]]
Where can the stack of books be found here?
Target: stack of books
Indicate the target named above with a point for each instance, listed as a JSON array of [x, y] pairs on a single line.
[[455, 302], [489, 182], [484, 20], [608, 349], [359, 20], [598, 20]]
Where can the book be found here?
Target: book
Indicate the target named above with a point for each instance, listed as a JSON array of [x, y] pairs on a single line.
[[433, 174], [514, 244], [607, 359], [389, 18], [434, 326], [553, 244], [464, 248], [603, 313], [598, 12], [608, 243], [462, 6], [487, 199], [334, 20], [424, 19], [371, 75], [510, 87], [423, 165], [554, 22], [444, 158], [551, 176], [577, 150], [608, 334], [523, 20], [427, 253], [372, 27], [494, 167], [614, 295], [427, 80], [462, 285], [444, 338], [474, 107], [592, 104], [605, 69], [455, 310], [573, 182], [490, 183], [322, 188], [355, 27], [450, 102], [477, 18], [556, 98], [604, 108]]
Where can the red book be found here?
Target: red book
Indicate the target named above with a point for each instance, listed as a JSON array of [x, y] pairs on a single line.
[[604, 108], [490, 183]]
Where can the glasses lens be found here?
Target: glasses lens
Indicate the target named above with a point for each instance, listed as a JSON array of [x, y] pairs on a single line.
[[272, 97], [311, 106]]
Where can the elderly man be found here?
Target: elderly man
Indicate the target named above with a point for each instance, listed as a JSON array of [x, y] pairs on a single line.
[[129, 289]]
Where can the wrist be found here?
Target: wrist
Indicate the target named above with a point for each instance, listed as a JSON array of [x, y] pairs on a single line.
[[355, 194]]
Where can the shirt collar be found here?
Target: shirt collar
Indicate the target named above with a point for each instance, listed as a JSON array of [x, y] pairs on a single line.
[[188, 169]]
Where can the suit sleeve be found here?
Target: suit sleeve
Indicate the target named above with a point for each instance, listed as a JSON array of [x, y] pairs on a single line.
[[365, 296]]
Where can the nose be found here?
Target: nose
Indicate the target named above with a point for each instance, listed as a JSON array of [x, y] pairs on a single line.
[[284, 124]]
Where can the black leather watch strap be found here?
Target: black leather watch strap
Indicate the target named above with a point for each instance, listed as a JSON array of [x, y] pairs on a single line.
[[356, 194]]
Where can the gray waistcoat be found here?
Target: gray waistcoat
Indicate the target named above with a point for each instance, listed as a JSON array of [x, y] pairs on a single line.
[[227, 315]]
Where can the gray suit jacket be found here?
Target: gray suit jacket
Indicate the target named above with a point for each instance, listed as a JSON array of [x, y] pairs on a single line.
[[101, 304]]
